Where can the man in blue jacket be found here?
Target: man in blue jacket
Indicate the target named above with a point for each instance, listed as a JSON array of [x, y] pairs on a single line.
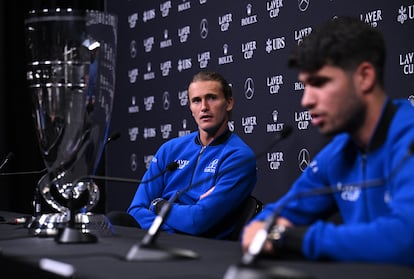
[[368, 164], [216, 170]]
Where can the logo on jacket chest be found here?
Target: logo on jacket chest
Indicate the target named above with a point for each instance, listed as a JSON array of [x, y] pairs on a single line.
[[182, 163], [350, 193], [211, 166]]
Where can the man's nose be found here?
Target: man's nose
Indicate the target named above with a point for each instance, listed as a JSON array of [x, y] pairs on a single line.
[[204, 104], [307, 100]]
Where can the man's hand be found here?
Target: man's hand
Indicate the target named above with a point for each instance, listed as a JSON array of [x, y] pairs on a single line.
[[249, 233]]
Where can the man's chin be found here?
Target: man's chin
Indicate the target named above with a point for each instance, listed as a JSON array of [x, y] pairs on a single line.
[[327, 132], [209, 129]]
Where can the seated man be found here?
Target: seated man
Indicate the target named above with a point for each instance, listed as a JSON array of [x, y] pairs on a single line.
[[368, 164], [216, 170]]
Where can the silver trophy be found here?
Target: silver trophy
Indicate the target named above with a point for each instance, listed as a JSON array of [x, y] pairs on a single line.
[[71, 77]]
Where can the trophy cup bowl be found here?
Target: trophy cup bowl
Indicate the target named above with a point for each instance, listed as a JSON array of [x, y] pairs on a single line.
[[71, 78]]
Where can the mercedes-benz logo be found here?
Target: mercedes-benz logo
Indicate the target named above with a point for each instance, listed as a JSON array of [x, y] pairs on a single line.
[[303, 159], [133, 162], [230, 124], [411, 99], [303, 5], [166, 100], [249, 88], [204, 28], [133, 48]]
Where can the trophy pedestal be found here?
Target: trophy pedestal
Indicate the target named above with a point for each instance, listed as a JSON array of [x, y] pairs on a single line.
[[52, 224]]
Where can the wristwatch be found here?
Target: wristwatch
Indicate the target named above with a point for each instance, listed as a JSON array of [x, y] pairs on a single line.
[[276, 236], [153, 206]]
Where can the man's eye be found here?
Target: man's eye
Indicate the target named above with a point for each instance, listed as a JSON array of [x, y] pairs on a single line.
[[318, 81]]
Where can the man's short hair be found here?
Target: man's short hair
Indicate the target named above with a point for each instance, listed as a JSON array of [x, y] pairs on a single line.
[[344, 42]]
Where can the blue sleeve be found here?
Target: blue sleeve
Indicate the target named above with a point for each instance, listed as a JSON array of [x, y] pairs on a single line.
[[387, 238], [148, 191], [235, 181]]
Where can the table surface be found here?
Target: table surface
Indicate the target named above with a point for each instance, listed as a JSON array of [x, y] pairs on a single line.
[[21, 253]]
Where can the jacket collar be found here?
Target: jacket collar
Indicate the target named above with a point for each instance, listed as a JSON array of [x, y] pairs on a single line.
[[380, 134], [219, 140]]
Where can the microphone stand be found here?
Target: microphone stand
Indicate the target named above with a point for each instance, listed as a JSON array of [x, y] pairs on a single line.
[[147, 249], [71, 234], [6, 160]]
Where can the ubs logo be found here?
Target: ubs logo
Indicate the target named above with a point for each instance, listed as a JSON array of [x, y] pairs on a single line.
[[404, 15], [303, 159], [204, 28], [249, 88]]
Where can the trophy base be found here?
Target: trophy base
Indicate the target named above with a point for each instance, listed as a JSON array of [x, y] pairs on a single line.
[[71, 235], [52, 224]]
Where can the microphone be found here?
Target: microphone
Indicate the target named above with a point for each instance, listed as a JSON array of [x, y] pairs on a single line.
[[6, 160], [113, 137], [170, 167], [147, 248], [245, 269], [23, 172], [70, 234]]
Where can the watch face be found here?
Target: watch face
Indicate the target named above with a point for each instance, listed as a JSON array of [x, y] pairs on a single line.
[[276, 233], [155, 201]]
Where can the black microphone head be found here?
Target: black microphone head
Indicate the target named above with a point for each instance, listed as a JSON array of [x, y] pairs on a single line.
[[113, 137], [287, 130], [9, 156], [411, 148], [172, 166]]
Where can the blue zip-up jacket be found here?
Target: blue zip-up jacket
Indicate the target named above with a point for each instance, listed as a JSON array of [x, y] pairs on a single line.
[[227, 163], [378, 218]]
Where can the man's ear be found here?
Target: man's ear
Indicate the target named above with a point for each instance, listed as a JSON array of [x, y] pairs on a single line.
[[230, 104], [366, 77]]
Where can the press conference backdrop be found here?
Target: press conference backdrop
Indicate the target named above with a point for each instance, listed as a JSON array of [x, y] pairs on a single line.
[[162, 44]]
